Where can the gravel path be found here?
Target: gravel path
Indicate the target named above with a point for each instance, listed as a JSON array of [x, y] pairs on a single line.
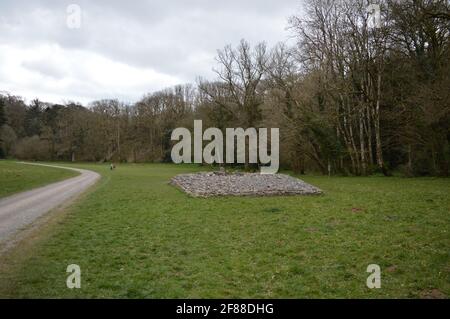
[[240, 184], [20, 210]]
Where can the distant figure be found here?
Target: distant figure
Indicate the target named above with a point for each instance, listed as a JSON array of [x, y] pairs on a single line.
[[112, 166]]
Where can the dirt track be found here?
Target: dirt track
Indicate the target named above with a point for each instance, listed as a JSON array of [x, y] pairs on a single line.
[[20, 210]]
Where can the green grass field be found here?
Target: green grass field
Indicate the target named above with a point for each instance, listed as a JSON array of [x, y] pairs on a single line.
[[135, 236], [16, 177]]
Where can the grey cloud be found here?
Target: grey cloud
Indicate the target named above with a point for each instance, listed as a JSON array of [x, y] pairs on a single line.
[[46, 68], [178, 38]]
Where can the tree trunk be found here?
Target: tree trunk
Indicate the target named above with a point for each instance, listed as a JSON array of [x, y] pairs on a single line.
[[379, 149], [362, 144], [369, 136], [410, 169], [118, 140]]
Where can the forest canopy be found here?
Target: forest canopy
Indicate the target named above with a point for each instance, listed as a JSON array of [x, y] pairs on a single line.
[[349, 98]]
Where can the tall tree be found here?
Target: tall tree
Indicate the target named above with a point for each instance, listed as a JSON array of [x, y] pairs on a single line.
[[2, 113], [33, 118], [242, 70]]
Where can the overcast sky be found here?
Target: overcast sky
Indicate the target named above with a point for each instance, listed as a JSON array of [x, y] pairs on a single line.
[[124, 49]]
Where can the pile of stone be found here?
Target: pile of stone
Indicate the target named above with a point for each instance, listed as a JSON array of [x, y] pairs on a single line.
[[242, 184]]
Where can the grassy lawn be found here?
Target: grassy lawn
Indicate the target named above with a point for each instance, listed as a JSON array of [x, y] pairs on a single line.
[[136, 236], [15, 177]]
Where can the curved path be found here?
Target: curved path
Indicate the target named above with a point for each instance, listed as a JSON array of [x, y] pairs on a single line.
[[20, 210]]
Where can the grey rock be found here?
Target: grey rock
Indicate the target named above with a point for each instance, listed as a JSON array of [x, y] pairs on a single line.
[[207, 184]]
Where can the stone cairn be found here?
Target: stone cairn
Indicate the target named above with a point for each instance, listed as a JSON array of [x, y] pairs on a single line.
[[221, 183]]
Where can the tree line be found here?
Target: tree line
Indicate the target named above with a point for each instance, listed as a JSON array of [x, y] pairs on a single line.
[[349, 97]]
